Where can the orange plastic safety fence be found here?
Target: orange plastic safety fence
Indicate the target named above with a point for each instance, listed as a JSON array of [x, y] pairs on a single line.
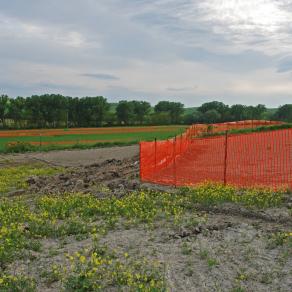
[[253, 159]]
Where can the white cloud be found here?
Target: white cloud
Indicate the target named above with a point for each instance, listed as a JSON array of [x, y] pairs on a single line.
[[194, 50], [13, 28]]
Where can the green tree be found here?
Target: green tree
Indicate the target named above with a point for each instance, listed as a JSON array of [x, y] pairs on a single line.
[[92, 111], [254, 112], [16, 111], [212, 116], [284, 113], [110, 118], [54, 109], [175, 110], [237, 112], [4, 102], [125, 112], [99, 109], [162, 106], [259, 111], [221, 108], [160, 118], [33, 107], [73, 111], [141, 109], [194, 118]]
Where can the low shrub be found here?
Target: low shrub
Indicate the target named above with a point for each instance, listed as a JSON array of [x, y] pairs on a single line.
[[18, 147]]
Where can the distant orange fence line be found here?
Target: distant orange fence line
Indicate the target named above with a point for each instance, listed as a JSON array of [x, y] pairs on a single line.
[[84, 131], [244, 160]]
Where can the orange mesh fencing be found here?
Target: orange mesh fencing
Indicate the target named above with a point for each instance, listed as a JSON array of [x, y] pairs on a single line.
[[244, 160], [199, 129]]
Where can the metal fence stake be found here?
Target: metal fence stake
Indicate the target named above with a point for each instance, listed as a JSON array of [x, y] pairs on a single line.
[[225, 157], [174, 164], [155, 154]]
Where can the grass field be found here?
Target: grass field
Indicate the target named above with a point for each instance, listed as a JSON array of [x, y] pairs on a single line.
[[46, 139]]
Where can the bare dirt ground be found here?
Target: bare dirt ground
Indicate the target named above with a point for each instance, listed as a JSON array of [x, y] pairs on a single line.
[[72, 157], [218, 248]]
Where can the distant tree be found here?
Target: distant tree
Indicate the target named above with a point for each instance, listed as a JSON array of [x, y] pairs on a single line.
[[254, 112], [125, 112], [188, 119], [193, 118], [222, 110], [162, 106], [160, 118], [110, 118], [237, 112], [259, 111], [175, 110], [53, 109], [73, 111], [284, 113], [33, 107], [17, 110], [212, 116], [4, 101], [92, 111], [141, 109], [99, 109]]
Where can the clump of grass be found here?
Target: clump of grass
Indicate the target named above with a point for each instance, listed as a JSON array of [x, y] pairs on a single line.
[[54, 274], [15, 177], [280, 239], [92, 271], [238, 289], [217, 193], [16, 283], [211, 262], [204, 254], [186, 249], [18, 147]]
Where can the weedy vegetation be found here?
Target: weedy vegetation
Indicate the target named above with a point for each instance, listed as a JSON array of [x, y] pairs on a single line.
[[27, 223], [15, 177]]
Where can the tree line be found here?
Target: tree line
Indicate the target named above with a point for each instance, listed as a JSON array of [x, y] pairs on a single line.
[[55, 111]]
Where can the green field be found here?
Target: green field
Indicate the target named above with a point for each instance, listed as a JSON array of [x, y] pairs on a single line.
[[70, 140]]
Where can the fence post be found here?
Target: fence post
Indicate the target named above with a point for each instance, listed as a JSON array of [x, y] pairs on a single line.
[[174, 164], [140, 166], [40, 140], [225, 157], [155, 154]]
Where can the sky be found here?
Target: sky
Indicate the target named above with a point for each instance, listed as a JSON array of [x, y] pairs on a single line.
[[192, 51]]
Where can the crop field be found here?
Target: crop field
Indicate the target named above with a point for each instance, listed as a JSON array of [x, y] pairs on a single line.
[[46, 138], [98, 228]]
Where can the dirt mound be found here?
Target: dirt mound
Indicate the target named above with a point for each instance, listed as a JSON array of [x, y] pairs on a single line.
[[111, 176]]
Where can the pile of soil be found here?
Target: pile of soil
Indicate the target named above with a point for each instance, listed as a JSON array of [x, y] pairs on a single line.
[[117, 176]]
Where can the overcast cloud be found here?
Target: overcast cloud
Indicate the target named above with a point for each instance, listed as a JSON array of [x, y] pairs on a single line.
[[235, 51]]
